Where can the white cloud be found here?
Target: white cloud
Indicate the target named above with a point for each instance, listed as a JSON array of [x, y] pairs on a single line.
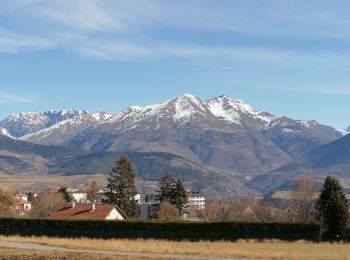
[[10, 98], [123, 30]]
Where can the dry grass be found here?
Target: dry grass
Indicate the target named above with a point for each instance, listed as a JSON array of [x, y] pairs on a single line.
[[11, 254], [246, 249], [39, 182]]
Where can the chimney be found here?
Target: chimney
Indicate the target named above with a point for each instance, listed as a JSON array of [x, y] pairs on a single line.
[[93, 206], [73, 205]]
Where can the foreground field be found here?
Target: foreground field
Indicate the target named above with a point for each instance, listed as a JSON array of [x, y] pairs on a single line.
[[239, 249], [11, 254]]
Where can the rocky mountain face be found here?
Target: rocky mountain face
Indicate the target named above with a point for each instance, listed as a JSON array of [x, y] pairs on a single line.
[[20, 124], [222, 133], [223, 139], [62, 131]]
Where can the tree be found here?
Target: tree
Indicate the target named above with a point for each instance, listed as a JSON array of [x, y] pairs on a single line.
[[174, 192], [333, 210], [7, 202], [92, 192], [167, 188], [303, 200], [180, 197], [46, 202], [167, 211], [121, 187], [64, 192]]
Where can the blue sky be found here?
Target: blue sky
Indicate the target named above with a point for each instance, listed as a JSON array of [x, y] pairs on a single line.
[[285, 57]]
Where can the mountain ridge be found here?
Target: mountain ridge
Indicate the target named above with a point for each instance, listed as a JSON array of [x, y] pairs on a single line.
[[223, 139]]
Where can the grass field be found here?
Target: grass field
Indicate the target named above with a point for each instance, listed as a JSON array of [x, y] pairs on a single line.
[[240, 249], [11, 254], [39, 182]]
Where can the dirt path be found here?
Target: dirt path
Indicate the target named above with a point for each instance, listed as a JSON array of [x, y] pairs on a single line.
[[35, 246]]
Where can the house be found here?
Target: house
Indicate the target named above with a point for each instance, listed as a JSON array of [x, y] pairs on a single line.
[[196, 200], [22, 206], [79, 196], [22, 196], [88, 211]]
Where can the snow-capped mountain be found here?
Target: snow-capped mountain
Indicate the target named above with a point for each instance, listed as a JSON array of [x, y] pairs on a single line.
[[64, 130], [210, 142], [20, 124], [222, 132], [296, 137]]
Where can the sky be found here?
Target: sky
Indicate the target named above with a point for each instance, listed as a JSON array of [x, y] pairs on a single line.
[[285, 57]]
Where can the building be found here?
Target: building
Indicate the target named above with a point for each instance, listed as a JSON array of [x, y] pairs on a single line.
[[148, 204], [88, 211], [79, 196], [23, 206], [196, 200]]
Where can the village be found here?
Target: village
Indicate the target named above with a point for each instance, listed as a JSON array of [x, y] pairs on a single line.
[[84, 205]]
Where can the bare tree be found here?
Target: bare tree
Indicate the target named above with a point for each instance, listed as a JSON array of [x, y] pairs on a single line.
[[92, 192], [167, 211], [7, 202], [226, 210], [302, 203], [46, 202]]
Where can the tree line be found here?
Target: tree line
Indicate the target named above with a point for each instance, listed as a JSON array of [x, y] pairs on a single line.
[[330, 209]]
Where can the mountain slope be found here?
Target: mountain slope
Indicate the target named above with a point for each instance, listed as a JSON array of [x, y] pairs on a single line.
[[298, 137], [20, 124], [62, 131], [215, 144], [19, 157], [332, 154], [222, 133]]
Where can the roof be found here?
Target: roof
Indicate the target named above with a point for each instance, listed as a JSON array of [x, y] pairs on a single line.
[[84, 211], [22, 202], [20, 194]]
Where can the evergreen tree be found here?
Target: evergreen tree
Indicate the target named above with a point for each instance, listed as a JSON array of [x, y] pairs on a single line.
[[121, 187], [65, 194], [181, 197], [167, 189], [333, 210], [174, 192]]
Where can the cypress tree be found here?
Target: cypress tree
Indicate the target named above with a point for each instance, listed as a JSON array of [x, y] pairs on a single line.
[[121, 187], [333, 210]]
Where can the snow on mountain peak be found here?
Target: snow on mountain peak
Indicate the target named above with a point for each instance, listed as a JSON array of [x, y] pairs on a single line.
[[232, 110], [4, 132]]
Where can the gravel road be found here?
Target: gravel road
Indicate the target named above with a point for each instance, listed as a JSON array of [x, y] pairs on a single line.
[[35, 246]]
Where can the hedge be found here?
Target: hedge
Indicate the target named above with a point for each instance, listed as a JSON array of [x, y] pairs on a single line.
[[192, 231]]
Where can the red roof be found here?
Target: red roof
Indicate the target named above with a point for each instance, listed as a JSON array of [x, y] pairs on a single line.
[[22, 201], [84, 211]]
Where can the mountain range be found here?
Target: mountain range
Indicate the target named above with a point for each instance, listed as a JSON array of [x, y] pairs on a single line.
[[222, 146]]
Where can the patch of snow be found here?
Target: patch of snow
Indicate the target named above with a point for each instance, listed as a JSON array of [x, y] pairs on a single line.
[[186, 106], [4, 132], [232, 110], [343, 132]]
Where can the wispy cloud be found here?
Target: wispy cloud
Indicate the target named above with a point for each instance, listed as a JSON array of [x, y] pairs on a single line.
[[120, 30], [11, 98]]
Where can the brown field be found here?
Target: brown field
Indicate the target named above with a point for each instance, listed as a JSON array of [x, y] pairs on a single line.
[[240, 249], [39, 182], [11, 254]]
